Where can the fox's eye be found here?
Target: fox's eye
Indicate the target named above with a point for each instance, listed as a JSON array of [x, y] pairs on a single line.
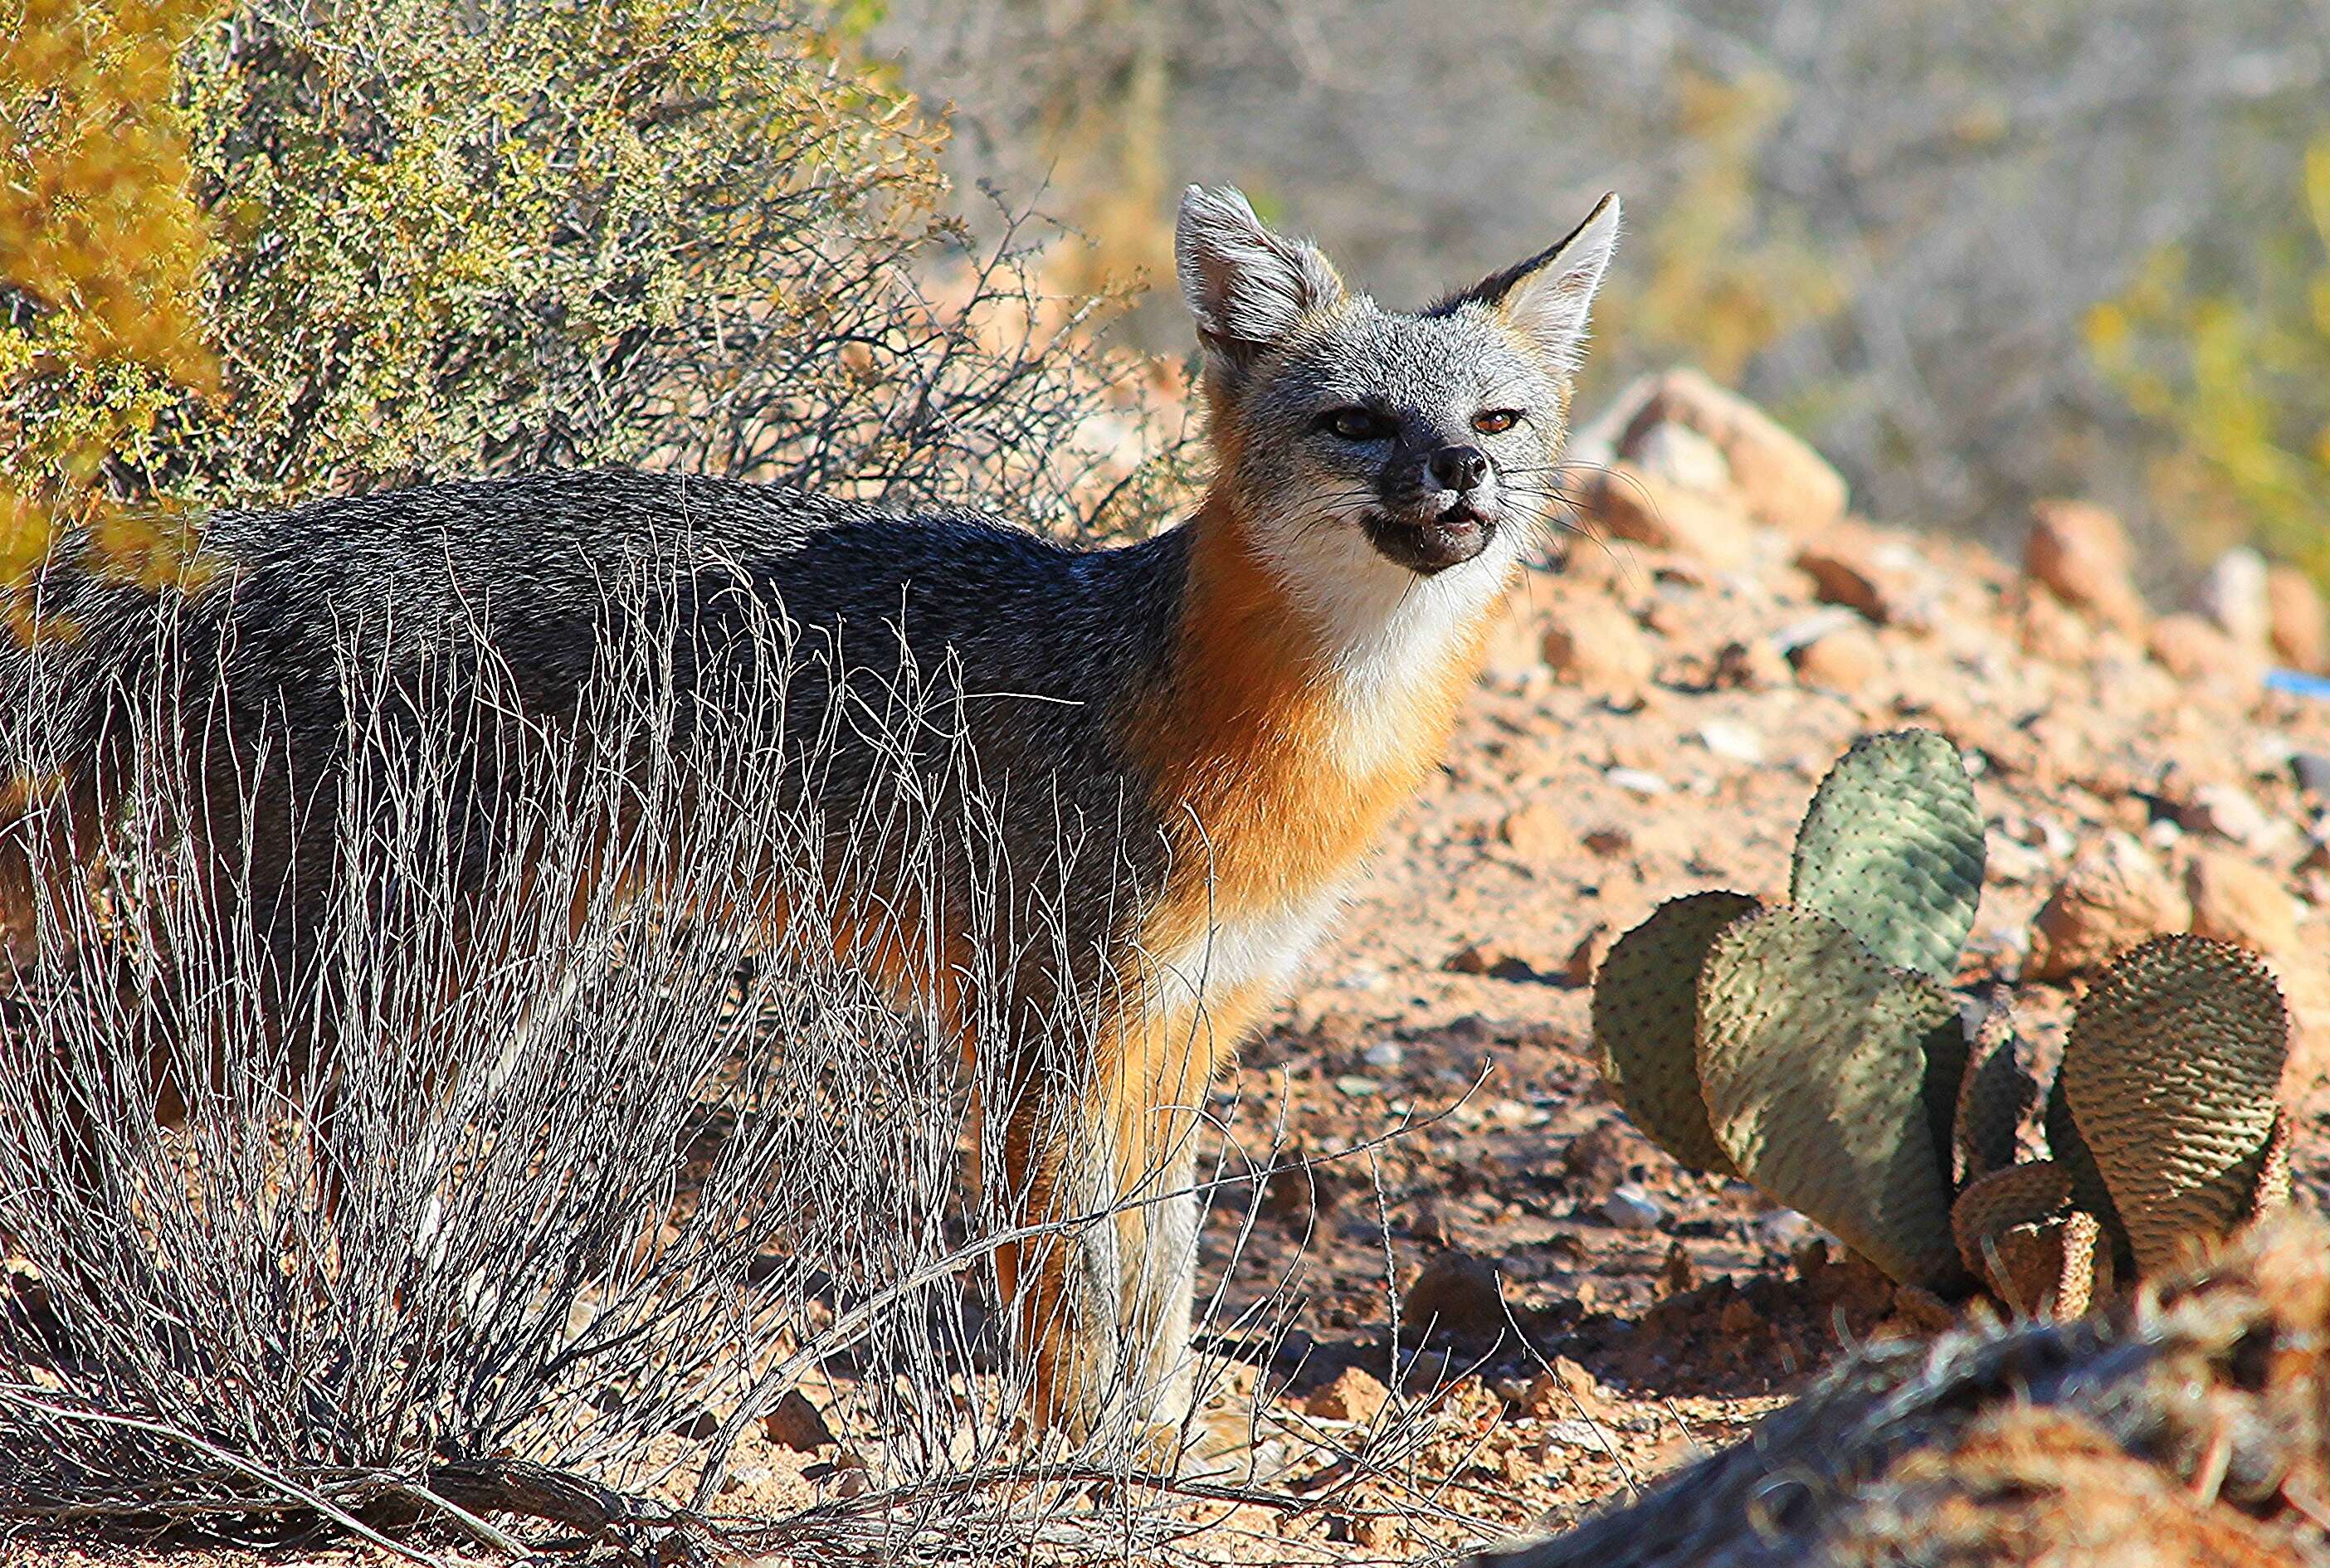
[[1355, 424], [1496, 421]]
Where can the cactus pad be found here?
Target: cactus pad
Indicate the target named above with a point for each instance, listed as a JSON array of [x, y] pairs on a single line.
[[2020, 1194], [1646, 1023], [1812, 1057], [2059, 1267], [1892, 850], [2172, 1073], [1995, 1095], [2273, 1170]]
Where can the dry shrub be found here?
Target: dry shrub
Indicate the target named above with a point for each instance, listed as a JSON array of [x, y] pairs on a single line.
[[577, 1174]]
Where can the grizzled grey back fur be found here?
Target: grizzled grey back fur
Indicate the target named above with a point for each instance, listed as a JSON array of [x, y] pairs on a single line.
[[424, 584]]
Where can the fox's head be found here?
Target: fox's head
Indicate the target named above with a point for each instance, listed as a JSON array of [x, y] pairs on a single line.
[[1369, 447]]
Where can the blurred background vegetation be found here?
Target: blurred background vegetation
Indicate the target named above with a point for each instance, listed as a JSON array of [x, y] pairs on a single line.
[[1979, 253]]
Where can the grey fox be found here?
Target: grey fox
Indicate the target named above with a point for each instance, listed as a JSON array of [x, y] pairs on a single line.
[[1243, 700]]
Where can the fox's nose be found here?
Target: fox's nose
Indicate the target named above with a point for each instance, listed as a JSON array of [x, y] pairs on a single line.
[[1459, 468]]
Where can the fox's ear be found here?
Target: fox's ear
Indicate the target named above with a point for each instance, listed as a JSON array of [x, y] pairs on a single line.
[[1247, 287], [1549, 296]]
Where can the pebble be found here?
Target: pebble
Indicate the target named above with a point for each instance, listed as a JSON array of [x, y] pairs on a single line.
[[2081, 554], [2227, 811], [795, 1423], [2312, 771], [1737, 742], [1844, 660], [1354, 1395], [1630, 1208], [1784, 1230], [1638, 781], [1455, 1294], [1383, 1054], [1356, 1086]]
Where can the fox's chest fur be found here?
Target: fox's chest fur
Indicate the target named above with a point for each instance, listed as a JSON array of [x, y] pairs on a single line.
[[1290, 731]]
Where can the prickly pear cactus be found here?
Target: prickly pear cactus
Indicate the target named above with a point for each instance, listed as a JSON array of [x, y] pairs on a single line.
[[1646, 1023], [2172, 1077], [1892, 850], [1813, 1056], [1995, 1094], [1815, 1050]]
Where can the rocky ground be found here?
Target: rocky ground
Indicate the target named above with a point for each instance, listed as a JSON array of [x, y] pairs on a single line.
[[1481, 1301], [1659, 708]]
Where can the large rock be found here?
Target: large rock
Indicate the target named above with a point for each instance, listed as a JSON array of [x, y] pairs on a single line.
[[2300, 627], [1636, 504], [2113, 896], [1783, 482], [2080, 554]]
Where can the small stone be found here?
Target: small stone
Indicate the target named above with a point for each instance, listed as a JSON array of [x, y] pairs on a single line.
[[1631, 504], [1784, 1230], [1585, 960], [796, 1424], [2195, 651], [1456, 1294], [1844, 660], [2300, 634], [1352, 1395], [1609, 840], [1384, 1054], [2080, 554], [1855, 576], [1567, 1389], [2312, 771], [1538, 830], [2232, 597], [1595, 643], [1752, 666], [1630, 1208], [2227, 811], [2237, 901], [1682, 455], [1472, 958], [1782, 481], [701, 1427], [1356, 1086], [2113, 896], [1638, 781], [1735, 741]]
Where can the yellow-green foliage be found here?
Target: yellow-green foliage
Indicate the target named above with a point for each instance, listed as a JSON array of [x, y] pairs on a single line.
[[452, 245], [2238, 378], [102, 249], [430, 240]]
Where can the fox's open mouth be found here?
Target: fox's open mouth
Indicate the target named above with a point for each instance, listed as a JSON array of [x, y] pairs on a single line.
[[1434, 544]]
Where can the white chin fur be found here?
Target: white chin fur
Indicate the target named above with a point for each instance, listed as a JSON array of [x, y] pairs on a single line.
[[1387, 629]]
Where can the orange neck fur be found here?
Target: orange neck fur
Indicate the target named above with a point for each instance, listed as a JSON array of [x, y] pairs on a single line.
[[1249, 742]]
